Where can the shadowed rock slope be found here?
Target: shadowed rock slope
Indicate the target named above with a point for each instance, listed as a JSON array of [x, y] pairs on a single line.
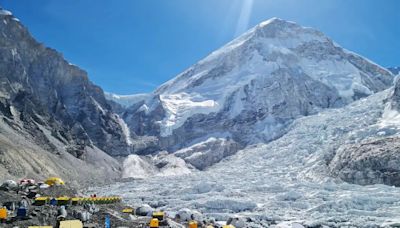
[[53, 119]]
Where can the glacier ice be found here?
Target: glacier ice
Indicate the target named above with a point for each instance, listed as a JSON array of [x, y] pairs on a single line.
[[284, 180]]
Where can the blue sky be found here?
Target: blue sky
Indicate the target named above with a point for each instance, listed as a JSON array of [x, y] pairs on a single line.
[[132, 46]]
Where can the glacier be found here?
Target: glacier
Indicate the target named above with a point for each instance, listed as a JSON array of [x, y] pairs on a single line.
[[287, 179]]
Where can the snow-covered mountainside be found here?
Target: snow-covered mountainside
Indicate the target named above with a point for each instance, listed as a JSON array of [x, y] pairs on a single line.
[[249, 91]]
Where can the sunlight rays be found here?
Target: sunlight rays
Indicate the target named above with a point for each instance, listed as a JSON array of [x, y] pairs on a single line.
[[244, 17]]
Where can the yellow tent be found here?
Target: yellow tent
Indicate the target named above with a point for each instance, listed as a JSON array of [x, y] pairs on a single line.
[[128, 210], [40, 201], [54, 181], [71, 224], [3, 213], [158, 215], [193, 224], [154, 223]]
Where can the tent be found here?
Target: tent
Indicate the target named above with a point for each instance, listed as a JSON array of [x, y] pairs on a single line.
[[193, 224], [54, 181], [27, 181], [3, 213]]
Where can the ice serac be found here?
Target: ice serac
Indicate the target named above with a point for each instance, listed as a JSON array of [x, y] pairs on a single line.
[[251, 89], [53, 104], [288, 178]]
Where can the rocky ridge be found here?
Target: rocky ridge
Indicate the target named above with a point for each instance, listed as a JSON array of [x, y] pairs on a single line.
[[59, 122]]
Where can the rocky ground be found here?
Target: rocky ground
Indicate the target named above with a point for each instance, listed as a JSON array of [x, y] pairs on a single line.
[[92, 215], [14, 196]]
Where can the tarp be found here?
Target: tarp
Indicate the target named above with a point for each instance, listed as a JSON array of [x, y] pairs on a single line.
[[71, 224], [107, 223]]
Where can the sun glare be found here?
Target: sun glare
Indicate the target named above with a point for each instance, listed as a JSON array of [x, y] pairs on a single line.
[[244, 17]]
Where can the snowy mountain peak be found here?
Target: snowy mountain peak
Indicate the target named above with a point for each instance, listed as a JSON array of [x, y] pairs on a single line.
[[273, 20], [267, 42], [276, 23], [275, 44], [253, 87]]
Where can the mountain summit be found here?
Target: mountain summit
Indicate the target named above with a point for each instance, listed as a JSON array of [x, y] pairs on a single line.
[[248, 91]]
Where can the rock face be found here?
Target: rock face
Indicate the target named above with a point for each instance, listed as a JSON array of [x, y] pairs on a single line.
[[394, 99], [251, 89], [372, 162], [52, 103], [38, 87]]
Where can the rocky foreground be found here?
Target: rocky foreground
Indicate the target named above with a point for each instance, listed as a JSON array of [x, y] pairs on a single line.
[[21, 198], [31, 204]]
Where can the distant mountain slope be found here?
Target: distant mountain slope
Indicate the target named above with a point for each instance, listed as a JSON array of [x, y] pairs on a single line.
[[54, 106], [126, 100], [394, 70], [250, 90]]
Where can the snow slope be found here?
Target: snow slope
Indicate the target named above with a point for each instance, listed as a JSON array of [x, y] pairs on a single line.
[[286, 179]]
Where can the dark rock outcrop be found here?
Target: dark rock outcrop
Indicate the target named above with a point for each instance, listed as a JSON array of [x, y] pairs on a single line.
[[372, 162]]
